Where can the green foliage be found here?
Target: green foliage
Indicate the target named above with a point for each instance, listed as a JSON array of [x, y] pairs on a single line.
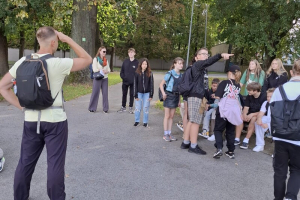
[[257, 26], [115, 19]]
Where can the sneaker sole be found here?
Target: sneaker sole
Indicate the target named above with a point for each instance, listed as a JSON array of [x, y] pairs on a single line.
[[203, 136], [166, 140], [196, 153], [231, 157], [179, 127], [218, 155], [243, 147], [235, 144]]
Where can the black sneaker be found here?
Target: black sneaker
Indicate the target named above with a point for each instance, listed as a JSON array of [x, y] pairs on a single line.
[[145, 125], [236, 142], [136, 124], [244, 145], [185, 146], [92, 111], [218, 154], [230, 154], [197, 150]]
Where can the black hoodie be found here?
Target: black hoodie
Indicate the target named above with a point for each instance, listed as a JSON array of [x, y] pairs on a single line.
[[128, 71], [274, 81]]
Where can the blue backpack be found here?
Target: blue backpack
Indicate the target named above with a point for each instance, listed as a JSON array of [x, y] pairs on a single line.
[[91, 71], [186, 83]]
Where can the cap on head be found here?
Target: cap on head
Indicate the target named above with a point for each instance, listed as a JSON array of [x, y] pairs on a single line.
[[233, 68]]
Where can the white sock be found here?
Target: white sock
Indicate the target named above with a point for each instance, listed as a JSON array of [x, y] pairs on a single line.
[[166, 132], [237, 139], [169, 132], [246, 140]]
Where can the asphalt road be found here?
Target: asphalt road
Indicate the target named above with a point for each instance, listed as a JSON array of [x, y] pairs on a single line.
[[108, 158]]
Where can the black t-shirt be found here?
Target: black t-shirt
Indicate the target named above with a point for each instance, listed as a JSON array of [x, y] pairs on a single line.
[[225, 88], [254, 104]]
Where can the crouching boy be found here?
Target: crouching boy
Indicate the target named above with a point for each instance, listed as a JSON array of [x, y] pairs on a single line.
[[262, 123]]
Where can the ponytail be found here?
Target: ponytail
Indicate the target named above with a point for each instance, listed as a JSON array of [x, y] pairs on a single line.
[[237, 74]]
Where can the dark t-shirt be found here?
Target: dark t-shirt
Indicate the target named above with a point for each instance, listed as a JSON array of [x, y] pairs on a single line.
[[254, 104], [225, 88]]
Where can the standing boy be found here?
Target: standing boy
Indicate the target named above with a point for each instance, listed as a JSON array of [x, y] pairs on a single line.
[[127, 74], [53, 125], [195, 98]]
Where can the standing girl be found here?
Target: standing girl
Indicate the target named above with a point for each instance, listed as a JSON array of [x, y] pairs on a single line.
[[228, 89], [171, 96], [100, 64], [254, 73], [276, 75], [143, 91]]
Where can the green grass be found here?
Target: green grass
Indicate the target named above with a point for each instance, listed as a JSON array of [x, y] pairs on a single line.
[[74, 90], [159, 104]]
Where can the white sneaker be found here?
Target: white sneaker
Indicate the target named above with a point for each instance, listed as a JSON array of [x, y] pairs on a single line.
[[211, 138], [258, 148], [180, 126]]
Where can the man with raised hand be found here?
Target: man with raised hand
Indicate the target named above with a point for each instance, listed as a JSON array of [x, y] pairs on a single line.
[[53, 122]]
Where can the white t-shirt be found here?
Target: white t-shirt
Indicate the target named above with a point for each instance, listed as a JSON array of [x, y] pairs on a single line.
[[291, 94], [58, 69]]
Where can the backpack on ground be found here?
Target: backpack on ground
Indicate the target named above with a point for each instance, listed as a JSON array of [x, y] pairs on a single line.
[[186, 83], [33, 87], [285, 117]]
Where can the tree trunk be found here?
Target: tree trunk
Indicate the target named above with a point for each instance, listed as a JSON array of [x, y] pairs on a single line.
[[84, 26], [22, 44], [111, 63], [3, 53]]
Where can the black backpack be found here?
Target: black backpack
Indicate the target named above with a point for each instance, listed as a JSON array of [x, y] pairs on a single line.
[[91, 71], [33, 87], [186, 83], [285, 117]]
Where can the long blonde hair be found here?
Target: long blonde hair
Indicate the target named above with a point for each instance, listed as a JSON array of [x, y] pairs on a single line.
[[257, 70], [280, 69]]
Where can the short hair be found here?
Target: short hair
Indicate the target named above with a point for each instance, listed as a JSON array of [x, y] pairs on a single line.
[[254, 86], [296, 67], [131, 49], [271, 90], [44, 33], [203, 48], [215, 81]]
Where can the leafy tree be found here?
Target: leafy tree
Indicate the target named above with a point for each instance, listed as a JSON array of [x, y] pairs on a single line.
[[257, 26]]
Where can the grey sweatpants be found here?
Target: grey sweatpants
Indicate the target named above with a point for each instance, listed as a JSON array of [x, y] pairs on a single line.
[[97, 86]]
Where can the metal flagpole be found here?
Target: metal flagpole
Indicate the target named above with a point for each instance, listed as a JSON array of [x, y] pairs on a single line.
[[191, 23]]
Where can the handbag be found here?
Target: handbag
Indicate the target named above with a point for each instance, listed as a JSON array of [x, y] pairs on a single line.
[[160, 96], [98, 76]]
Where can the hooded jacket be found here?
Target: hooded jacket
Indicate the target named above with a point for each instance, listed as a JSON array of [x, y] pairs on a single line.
[[143, 84], [198, 73]]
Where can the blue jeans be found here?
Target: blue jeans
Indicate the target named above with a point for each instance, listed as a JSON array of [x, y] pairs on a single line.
[[143, 99], [206, 119]]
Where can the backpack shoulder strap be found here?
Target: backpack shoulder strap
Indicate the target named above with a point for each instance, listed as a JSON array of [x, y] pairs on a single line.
[[282, 92], [298, 98]]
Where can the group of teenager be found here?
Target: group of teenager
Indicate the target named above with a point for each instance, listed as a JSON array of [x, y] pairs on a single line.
[[49, 126]]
